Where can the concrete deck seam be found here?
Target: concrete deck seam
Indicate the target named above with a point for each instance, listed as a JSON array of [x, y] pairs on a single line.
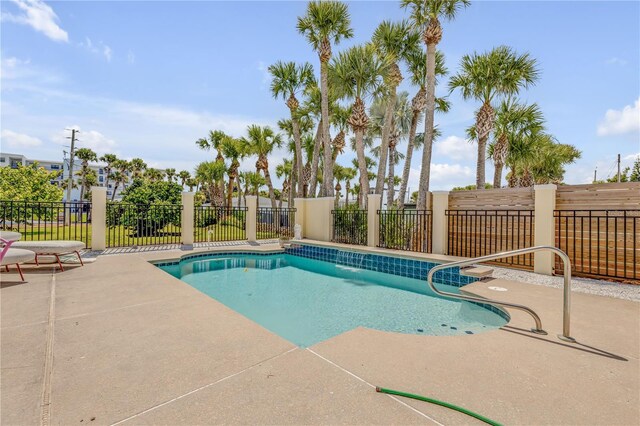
[[45, 410], [191, 392], [107, 311], [373, 386], [11, 327]]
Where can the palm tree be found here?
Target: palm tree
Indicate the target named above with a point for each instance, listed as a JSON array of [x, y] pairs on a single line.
[[85, 155], [393, 40], [118, 178], [289, 79], [538, 159], [109, 160], [339, 174], [340, 120], [349, 174], [191, 183], [124, 167], [211, 173], [138, 166], [514, 122], [214, 141], [308, 145], [325, 22], [285, 170], [425, 16], [184, 175], [170, 174], [485, 77], [153, 175], [357, 73], [253, 181], [370, 164], [234, 150], [261, 141], [417, 63]]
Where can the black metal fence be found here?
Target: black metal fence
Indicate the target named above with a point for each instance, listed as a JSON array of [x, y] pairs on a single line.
[[213, 223], [43, 220], [600, 243], [405, 230], [473, 233], [275, 223], [130, 225], [350, 226]]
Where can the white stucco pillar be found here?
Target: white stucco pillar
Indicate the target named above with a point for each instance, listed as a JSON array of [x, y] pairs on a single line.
[[439, 229], [98, 218], [318, 221], [545, 230], [374, 203], [186, 219], [301, 205], [252, 217]]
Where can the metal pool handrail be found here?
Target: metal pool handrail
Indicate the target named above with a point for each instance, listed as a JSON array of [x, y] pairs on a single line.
[[566, 319]]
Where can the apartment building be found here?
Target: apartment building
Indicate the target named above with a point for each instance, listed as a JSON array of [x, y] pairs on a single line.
[[13, 160]]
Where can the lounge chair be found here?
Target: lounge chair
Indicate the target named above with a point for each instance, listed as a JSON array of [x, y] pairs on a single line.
[[14, 256], [54, 248]]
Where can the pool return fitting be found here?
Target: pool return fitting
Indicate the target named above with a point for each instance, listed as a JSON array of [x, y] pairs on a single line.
[[566, 319]]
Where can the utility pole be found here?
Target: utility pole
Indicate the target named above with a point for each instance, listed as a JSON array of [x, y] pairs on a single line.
[[71, 155], [595, 174], [618, 168]]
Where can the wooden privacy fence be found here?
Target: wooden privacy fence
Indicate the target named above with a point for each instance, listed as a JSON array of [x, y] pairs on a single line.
[[474, 233], [600, 243]]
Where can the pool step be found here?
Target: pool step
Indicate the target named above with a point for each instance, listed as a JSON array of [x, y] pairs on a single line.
[[476, 271]]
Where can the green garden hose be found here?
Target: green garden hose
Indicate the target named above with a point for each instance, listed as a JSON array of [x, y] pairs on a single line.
[[437, 402]]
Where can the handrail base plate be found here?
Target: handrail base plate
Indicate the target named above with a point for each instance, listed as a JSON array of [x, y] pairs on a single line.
[[566, 338]]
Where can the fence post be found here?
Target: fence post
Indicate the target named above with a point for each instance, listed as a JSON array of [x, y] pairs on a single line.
[[318, 221], [252, 218], [301, 205], [186, 219], [545, 229], [374, 203], [98, 217], [439, 228]]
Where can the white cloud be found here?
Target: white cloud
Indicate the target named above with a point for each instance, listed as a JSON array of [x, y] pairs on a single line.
[[106, 51], [87, 139], [622, 121], [98, 49], [38, 16], [444, 176], [19, 140], [616, 61], [266, 76], [455, 148]]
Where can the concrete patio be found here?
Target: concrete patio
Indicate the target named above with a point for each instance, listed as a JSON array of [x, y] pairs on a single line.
[[119, 341]]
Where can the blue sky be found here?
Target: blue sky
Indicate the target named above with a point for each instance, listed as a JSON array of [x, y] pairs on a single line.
[[146, 79]]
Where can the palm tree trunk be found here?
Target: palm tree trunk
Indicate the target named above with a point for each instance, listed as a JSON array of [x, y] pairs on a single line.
[[480, 163], [425, 172], [407, 160], [384, 143], [497, 175], [347, 186], [239, 193], [230, 191], [390, 189], [327, 172], [313, 184], [115, 189], [297, 167], [362, 168], [272, 194]]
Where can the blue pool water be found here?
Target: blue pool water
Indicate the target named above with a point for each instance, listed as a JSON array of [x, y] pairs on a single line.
[[307, 301]]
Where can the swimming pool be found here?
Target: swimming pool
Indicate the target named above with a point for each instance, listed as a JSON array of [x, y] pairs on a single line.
[[307, 300]]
